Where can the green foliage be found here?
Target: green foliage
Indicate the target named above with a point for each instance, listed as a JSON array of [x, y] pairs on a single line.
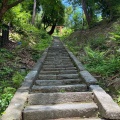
[[94, 57], [42, 44], [68, 13], [6, 54], [6, 97], [66, 32], [115, 36], [17, 79], [55, 16], [98, 42], [31, 39], [5, 72], [107, 68], [77, 20]]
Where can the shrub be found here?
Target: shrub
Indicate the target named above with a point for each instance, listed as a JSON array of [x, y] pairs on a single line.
[[6, 97], [17, 79]]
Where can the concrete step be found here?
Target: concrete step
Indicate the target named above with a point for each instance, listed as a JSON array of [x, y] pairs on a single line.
[[40, 112], [59, 72], [62, 88], [58, 82], [58, 98], [58, 77]]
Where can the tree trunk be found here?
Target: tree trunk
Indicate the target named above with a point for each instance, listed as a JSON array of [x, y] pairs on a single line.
[[84, 6], [5, 7], [34, 12], [52, 30], [2, 12]]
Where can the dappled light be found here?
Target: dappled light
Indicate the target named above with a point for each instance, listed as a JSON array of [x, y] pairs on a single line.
[[35, 39]]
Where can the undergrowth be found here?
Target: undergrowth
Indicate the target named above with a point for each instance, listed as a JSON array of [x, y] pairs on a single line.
[[17, 60], [100, 54]]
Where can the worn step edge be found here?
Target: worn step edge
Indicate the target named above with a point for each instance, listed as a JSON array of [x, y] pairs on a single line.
[[58, 77], [59, 72], [62, 88], [65, 68], [107, 107], [57, 82], [57, 66], [57, 98], [40, 112]]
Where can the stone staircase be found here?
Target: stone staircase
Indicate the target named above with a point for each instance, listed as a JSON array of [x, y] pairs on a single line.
[[59, 91], [59, 88]]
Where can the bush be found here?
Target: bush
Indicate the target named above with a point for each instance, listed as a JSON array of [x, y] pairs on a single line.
[[94, 57], [5, 98], [17, 79]]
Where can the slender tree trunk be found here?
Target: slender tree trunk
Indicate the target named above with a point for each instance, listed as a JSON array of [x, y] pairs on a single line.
[[34, 12], [84, 6], [52, 30]]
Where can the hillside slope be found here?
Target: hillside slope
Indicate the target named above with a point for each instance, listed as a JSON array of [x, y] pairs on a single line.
[[98, 49]]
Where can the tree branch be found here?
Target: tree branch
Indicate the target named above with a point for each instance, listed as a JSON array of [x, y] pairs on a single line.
[[4, 2], [15, 3]]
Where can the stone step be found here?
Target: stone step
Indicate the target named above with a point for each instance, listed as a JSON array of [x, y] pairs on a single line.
[[40, 112], [58, 57], [59, 72], [78, 118], [58, 77], [58, 98], [61, 88], [62, 49], [58, 66], [58, 53], [58, 82], [58, 60], [53, 69], [58, 63]]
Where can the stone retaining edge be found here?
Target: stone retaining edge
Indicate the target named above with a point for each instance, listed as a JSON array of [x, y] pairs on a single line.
[[87, 77], [16, 106], [78, 64], [107, 107]]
